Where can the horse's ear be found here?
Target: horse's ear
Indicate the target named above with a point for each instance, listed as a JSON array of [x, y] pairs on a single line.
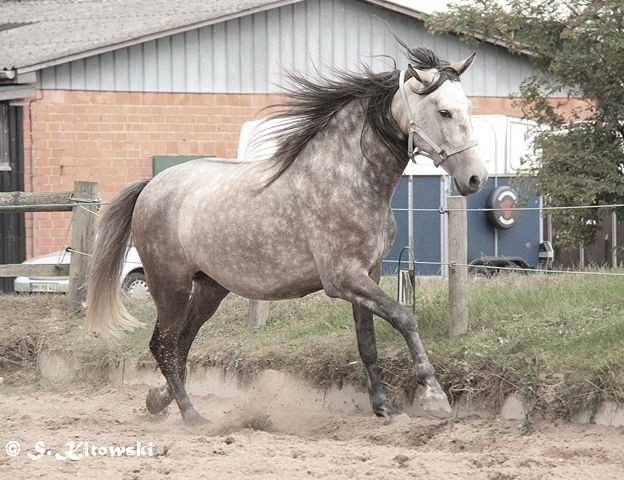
[[461, 67], [423, 76]]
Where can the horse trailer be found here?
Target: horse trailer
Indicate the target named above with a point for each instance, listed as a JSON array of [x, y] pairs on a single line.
[[498, 233]]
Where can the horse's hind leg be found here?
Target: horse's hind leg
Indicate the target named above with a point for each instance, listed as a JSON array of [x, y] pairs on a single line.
[[206, 298], [368, 352], [367, 346], [171, 296]]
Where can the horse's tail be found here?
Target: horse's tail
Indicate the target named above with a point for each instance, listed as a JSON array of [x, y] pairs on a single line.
[[106, 312]]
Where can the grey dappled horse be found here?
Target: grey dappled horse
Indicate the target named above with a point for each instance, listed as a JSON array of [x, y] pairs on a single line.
[[316, 215]]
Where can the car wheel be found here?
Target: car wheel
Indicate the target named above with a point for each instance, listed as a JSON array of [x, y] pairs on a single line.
[[135, 286]]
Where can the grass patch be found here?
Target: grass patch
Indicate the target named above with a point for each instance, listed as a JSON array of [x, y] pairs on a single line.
[[558, 341]]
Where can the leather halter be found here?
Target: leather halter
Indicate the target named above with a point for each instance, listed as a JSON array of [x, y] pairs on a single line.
[[442, 153]]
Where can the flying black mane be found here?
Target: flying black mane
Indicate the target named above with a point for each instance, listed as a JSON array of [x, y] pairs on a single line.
[[312, 104]]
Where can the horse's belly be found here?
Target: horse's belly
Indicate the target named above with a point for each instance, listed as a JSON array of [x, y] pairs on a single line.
[[277, 288], [260, 278], [254, 252]]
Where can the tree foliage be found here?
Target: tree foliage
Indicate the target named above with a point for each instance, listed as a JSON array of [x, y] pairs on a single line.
[[577, 48]]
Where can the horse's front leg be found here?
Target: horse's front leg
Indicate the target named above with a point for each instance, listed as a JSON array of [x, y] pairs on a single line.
[[360, 290]]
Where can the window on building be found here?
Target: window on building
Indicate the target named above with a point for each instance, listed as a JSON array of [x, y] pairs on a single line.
[[5, 163]]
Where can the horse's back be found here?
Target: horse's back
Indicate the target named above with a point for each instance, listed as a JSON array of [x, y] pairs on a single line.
[[215, 217], [205, 174]]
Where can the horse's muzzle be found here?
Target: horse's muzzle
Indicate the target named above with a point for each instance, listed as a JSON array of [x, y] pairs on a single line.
[[474, 184]]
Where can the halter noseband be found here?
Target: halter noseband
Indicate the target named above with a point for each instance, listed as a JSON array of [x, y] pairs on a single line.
[[412, 150]]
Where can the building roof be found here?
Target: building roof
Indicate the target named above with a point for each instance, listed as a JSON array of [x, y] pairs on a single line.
[[35, 34], [39, 33]]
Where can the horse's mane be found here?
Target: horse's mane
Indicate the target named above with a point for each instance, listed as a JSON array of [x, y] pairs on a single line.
[[310, 105]]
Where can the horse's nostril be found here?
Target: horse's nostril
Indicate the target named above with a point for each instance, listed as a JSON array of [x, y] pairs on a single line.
[[474, 183]]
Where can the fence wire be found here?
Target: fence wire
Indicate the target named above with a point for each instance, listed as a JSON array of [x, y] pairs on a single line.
[[519, 269], [73, 250], [81, 204], [442, 210], [455, 264]]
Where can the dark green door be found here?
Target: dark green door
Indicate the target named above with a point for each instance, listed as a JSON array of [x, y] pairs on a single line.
[[162, 162]]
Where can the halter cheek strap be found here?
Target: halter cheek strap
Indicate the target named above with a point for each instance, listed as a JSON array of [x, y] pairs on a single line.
[[441, 153]]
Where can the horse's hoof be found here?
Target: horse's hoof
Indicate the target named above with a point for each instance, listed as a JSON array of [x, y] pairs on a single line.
[[157, 400], [397, 419], [194, 419], [435, 403], [386, 411]]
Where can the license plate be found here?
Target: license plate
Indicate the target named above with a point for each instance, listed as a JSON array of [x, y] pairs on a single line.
[[44, 287]]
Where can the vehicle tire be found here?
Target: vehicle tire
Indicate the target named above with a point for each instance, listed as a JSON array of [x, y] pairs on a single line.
[[482, 272], [135, 286], [501, 203]]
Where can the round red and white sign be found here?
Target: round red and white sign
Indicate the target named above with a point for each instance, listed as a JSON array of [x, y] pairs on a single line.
[[502, 201]]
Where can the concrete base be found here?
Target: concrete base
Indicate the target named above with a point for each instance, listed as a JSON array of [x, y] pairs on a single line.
[[283, 389]]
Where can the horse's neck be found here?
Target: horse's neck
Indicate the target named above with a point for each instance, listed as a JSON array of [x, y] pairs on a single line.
[[336, 158]]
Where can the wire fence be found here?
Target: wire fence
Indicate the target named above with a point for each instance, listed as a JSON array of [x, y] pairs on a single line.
[[517, 269], [87, 206], [73, 250], [489, 268], [81, 204], [442, 210], [455, 264]]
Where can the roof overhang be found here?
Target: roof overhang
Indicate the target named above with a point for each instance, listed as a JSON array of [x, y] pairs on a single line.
[[399, 9], [152, 36], [388, 5]]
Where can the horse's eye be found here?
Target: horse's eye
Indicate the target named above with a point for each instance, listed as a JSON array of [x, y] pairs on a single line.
[[445, 114]]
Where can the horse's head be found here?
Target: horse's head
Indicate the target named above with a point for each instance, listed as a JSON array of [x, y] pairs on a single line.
[[432, 105]]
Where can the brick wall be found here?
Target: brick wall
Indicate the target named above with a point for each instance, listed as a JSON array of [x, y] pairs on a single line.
[[110, 138]]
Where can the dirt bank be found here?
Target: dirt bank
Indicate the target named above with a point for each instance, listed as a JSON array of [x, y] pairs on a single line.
[[269, 441]]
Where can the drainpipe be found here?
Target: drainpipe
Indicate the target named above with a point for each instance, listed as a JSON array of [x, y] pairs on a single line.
[[33, 172]]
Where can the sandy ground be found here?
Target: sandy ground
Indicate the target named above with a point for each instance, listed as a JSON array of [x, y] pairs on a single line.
[[266, 442]]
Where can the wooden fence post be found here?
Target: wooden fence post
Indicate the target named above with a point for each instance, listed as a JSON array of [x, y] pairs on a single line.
[[458, 272], [83, 237], [258, 313]]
